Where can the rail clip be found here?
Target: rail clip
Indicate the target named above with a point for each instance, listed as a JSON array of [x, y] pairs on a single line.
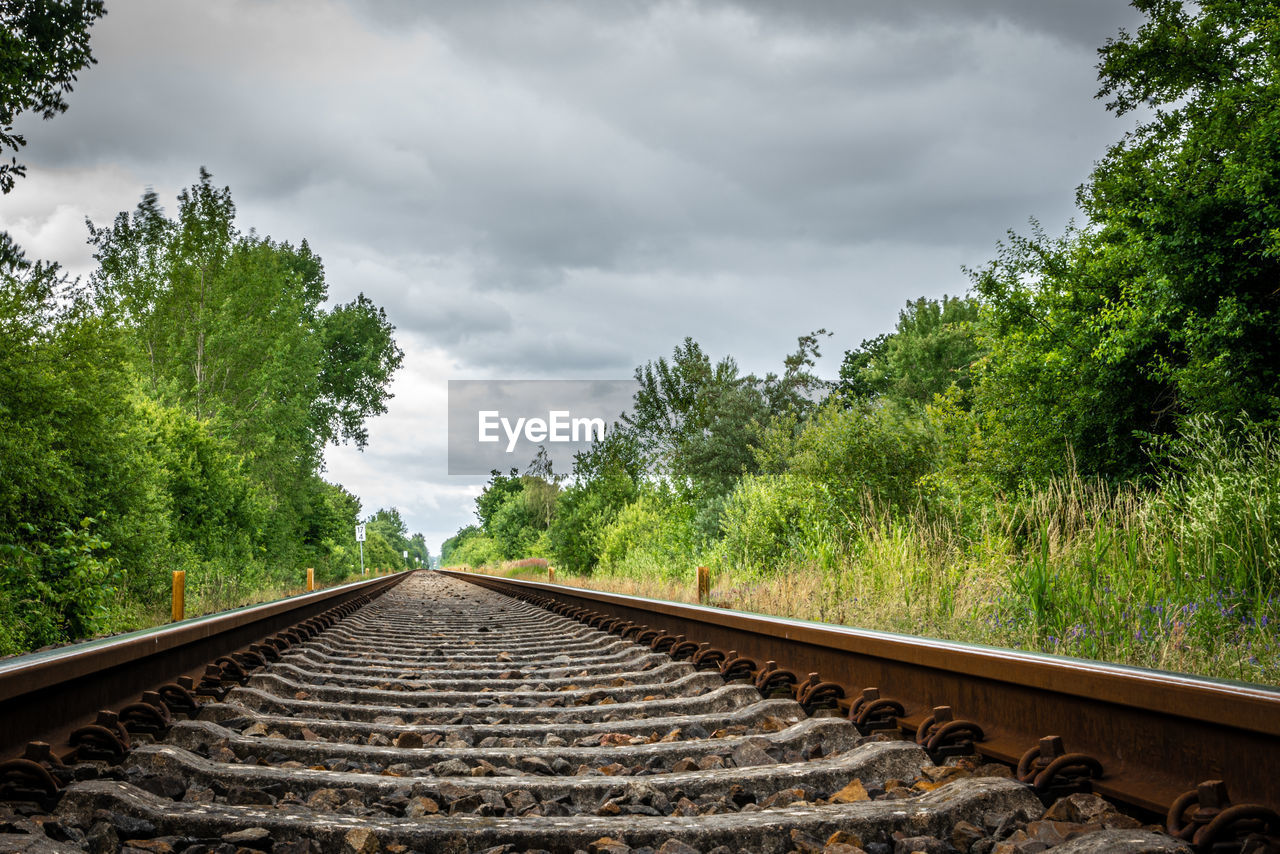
[[1207, 819], [1054, 773]]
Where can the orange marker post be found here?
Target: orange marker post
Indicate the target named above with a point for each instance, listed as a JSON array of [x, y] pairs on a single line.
[[551, 574], [704, 585], [179, 594], [311, 579]]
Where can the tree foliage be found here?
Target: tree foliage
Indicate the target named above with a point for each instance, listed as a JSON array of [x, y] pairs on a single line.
[[171, 416], [933, 346], [1189, 204], [44, 44]]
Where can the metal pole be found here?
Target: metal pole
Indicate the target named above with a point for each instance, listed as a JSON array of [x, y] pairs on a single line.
[[362, 558]]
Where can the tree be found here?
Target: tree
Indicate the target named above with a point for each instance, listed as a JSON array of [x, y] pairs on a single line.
[[516, 510], [1191, 202], [1165, 304], [694, 420], [606, 479], [418, 553], [933, 345], [388, 524], [72, 479], [500, 489], [863, 372], [43, 45], [360, 356], [231, 328], [1044, 402], [798, 390]]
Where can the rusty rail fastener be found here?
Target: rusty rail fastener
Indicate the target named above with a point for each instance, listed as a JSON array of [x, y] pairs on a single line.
[[942, 735], [1055, 773], [708, 657], [1207, 819], [871, 713], [773, 681], [105, 738], [815, 694], [736, 667]]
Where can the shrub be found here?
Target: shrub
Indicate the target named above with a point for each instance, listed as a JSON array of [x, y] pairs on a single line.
[[655, 531], [771, 520]]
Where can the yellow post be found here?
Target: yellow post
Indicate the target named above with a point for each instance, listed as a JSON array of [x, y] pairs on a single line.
[[704, 585], [179, 594], [311, 579], [551, 574]]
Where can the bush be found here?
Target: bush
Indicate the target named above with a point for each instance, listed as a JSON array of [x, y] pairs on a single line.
[[773, 520], [656, 531], [476, 550], [52, 592], [871, 449]]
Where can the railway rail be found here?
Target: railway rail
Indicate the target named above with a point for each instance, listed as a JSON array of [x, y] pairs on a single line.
[[441, 712]]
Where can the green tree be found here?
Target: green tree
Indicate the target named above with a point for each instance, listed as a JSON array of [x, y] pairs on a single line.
[[72, 484], [43, 45], [231, 326], [389, 524], [863, 372], [329, 530], [419, 556], [933, 345], [1191, 200], [359, 357], [1044, 401], [380, 554], [469, 546], [606, 479], [694, 419], [231, 329]]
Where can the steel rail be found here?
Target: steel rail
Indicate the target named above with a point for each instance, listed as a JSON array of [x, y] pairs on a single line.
[[1157, 734], [46, 695]]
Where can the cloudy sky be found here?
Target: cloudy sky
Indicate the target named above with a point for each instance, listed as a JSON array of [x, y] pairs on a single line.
[[544, 189]]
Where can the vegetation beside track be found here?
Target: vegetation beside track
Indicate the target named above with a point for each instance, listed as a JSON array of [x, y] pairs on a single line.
[[1079, 455], [1149, 577]]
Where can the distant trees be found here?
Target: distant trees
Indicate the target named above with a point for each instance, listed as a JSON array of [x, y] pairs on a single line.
[[388, 541], [934, 345]]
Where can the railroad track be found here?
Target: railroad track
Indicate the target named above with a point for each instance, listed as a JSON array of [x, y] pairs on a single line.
[[443, 715]]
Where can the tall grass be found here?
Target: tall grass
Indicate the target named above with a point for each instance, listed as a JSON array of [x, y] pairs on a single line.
[[1181, 575]]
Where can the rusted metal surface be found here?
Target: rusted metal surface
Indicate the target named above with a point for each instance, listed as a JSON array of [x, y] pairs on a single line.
[[1155, 734], [49, 695]]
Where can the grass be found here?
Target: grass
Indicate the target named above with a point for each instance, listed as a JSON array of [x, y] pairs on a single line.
[[207, 596], [1182, 577]]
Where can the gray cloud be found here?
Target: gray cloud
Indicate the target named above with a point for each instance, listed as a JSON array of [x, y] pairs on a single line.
[[553, 189]]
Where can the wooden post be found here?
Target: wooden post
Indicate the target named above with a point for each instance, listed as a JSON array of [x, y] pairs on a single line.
[[179, 594], [311, 579], [704, 585], [551, 574]]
